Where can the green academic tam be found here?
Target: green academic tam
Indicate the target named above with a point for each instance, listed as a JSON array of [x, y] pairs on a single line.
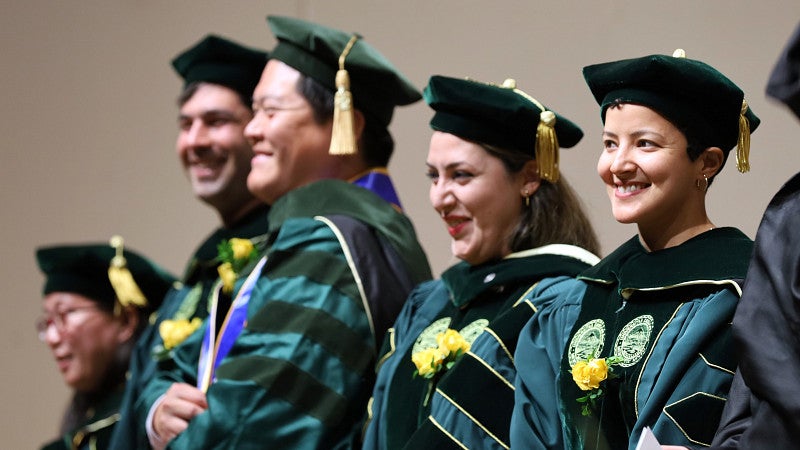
[[87, 269], [220, 61], [314, 50], [503, 116], [694, 96]]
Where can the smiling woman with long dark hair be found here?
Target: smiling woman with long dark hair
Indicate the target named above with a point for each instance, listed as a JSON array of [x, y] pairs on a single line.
[[513, 221]]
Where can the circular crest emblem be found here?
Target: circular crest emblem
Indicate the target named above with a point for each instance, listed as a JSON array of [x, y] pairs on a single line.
[[473, 330], [587, 341], [427, 339], [633, 339]]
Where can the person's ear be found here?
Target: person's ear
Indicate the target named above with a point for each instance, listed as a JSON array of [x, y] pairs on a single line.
[[128, 320], [711, 161], [530, 177]]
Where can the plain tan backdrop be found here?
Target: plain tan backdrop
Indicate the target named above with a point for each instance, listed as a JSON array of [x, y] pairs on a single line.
[[89, 122]]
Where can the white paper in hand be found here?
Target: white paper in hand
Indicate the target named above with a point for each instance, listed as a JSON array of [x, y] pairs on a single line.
[[648, 441]]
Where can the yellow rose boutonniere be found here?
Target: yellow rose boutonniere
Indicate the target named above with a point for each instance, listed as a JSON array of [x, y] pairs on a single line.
[[588, 374], [242, 248], [234, 255], [228, 276], [173, 332], [452, 345], [433, 361], [428, 362]]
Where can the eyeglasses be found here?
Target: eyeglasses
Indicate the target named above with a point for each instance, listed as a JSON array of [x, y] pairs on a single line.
[[258, 106], [62, 320]]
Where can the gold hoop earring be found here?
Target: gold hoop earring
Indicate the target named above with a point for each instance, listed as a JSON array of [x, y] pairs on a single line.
[[702, 184]]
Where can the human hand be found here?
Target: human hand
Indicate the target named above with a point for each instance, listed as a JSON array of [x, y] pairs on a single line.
[[180, 404]]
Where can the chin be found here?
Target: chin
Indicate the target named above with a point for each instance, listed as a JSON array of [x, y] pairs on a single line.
[[262, 191], [624, 220], [466, 257], [624, 216]]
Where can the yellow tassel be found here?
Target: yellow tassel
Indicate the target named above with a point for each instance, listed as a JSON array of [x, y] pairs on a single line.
[[128, 292], [547, 147], [743, 145], [546, 152], [343, 139]]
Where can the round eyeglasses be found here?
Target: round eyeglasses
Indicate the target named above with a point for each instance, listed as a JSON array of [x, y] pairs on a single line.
[[62, 320]]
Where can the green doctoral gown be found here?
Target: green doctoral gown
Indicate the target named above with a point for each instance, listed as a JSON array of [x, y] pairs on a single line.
[[666, 317], [470, 404], [187, 300], [94, 432], [340, 262]]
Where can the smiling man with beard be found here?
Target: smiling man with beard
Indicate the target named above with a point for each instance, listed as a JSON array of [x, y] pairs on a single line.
[[219, 77]]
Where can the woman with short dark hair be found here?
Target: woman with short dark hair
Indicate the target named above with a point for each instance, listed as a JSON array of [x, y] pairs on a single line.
[[645, 339]]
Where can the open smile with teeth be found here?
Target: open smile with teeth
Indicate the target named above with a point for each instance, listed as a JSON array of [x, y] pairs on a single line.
[[206, 167], [629, 188]]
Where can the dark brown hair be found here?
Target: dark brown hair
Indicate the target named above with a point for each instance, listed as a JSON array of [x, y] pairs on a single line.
[[555, 214], [192, 88]]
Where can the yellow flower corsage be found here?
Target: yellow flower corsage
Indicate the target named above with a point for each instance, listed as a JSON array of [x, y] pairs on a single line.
[[588, 374], [433, 361], [430, 361], [173, 332], [234, 255]]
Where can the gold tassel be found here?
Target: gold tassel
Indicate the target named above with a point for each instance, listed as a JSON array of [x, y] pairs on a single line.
[[547, 146], [343, 139], [743, 145], [546, 150], [128, 292]]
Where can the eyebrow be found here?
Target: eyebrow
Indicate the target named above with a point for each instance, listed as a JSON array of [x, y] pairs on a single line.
[[635, 134], [449, 166], [209, 112], [265, 97]]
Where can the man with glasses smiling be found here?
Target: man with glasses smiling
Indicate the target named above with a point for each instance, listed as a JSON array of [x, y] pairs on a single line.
[[96, 302], [293, 367]]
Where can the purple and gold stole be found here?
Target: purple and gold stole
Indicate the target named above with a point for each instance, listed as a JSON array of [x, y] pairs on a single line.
[[217, 345], [378, 181]]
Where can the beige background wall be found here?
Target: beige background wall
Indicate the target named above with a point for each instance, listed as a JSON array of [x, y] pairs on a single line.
[[88, 122]]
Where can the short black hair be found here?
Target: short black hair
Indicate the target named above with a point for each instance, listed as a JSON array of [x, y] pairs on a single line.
[[376, 140]]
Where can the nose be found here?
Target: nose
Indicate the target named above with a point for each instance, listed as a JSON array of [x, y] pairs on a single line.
[[442, 198], [622, 163], [197, 135], [253, 129], [50, 334]]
